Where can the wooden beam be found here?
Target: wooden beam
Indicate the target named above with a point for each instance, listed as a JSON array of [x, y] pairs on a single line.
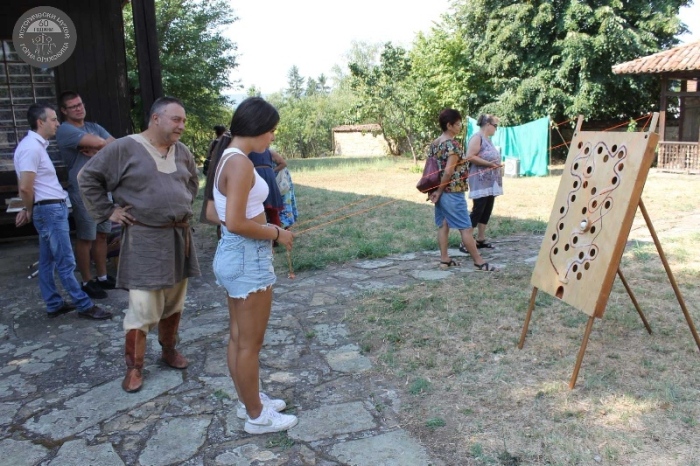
[[662, 107], [150, 76]]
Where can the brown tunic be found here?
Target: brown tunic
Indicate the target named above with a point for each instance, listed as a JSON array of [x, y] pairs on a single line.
[[161, 192]]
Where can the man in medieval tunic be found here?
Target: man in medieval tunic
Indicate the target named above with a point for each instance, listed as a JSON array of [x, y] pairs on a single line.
[[153, 181]]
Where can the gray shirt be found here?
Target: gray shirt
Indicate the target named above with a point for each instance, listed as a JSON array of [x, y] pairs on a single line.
[[68, 139]]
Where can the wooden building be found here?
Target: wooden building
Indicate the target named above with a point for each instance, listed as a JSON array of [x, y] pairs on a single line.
[[96, 70], [679, 69]]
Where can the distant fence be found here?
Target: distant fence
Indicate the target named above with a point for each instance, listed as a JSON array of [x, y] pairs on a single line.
[[682, 157]]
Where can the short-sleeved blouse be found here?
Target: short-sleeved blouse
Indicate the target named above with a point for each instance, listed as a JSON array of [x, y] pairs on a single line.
[[485, 181], [442, 151]]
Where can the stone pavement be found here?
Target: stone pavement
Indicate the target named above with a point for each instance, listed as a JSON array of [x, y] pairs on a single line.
[[61, 401]]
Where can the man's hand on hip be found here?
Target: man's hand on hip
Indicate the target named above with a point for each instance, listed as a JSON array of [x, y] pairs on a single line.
[[120, 215]]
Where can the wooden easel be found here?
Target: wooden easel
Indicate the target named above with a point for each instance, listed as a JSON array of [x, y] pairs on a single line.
[[589, 325], [600, 310]]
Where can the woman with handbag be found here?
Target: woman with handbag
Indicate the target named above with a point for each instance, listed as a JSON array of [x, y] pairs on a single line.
[[451, 209]]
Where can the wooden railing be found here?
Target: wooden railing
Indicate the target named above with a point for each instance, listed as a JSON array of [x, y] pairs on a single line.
[[681, 157]]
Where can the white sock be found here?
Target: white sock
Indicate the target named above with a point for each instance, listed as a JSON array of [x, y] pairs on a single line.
[[102, 278]]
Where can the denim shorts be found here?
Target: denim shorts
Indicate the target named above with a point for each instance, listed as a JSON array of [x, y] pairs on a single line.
[[85, 226], [243, 265], [453, 208]]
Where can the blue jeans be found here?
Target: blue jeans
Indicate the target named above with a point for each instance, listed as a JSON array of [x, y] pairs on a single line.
[[56, 253]]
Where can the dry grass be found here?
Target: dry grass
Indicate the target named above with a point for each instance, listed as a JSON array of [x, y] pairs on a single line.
[[473, 398]]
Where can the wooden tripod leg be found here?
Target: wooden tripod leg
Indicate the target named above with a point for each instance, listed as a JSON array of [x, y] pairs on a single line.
[[671, 278], [530, 307], [579, 359], [634, 300]]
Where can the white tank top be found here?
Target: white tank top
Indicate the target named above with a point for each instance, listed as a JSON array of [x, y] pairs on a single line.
[[257, 195]]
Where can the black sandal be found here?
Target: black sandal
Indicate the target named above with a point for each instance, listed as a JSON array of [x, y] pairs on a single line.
[[485, 267], [483, 245], [448, 264]]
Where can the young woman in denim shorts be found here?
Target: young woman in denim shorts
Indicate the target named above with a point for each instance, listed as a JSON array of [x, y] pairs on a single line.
[[243, 260]]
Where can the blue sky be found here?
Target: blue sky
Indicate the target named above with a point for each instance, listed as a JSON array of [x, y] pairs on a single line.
[[314, 35]]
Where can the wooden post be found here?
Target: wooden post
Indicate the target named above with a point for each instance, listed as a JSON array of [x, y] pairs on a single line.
[[150, 78], [581, 352], [634, 300], [530, 307], [662, 108], [671, 278]]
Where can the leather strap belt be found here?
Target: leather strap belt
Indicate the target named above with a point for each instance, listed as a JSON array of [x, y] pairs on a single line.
[[263, 166], [184, 225], [50, 201]]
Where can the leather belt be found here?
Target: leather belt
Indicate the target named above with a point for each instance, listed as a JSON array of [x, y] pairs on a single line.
[[184, 225], [50, 201]]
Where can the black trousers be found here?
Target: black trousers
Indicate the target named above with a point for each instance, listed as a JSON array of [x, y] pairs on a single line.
[[481, 210]]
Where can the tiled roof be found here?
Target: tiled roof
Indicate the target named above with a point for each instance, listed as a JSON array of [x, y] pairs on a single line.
[[357, 128], [684, 57]]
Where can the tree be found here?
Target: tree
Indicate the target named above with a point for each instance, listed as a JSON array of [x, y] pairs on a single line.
[[295, 83], [196, 61], [387, 93], [554, 57]]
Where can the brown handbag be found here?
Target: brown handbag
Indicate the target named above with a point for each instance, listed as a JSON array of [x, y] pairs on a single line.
[[430, 180]]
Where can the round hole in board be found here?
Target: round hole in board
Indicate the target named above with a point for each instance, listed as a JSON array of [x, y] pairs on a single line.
[[608, 204], [554, 237], [621, 154], [576, 166], [555, 251], [566, 247], [573, 198], [587, 265], [575, 240], [578, 276], [581, 255], [600, 150], [580, 144], [585, 184], [593, 190], [589, 170], [586, 150], [592, 252], [561, 226], [621, 166], [605, 158], [614, 180], [584, 210], [594, 204], [560, 292], [562, 210], [575, 268], [613, 148], [593, 229], [575, 184]]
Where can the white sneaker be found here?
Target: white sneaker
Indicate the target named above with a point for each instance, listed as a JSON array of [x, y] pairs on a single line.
[[269, 421], [267, 402]]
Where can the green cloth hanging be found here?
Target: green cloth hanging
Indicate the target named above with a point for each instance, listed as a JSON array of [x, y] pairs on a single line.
[[528, 143]]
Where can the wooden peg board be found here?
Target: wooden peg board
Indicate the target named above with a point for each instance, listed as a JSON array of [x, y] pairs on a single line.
[[592, 216]]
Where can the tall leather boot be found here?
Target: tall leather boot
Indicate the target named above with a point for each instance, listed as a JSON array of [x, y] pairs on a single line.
[[167, 337], [135, 350]]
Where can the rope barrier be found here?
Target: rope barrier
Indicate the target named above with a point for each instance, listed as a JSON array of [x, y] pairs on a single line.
[[289, 258]]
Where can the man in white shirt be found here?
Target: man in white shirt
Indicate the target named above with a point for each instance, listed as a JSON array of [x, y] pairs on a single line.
[[45, 205]]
